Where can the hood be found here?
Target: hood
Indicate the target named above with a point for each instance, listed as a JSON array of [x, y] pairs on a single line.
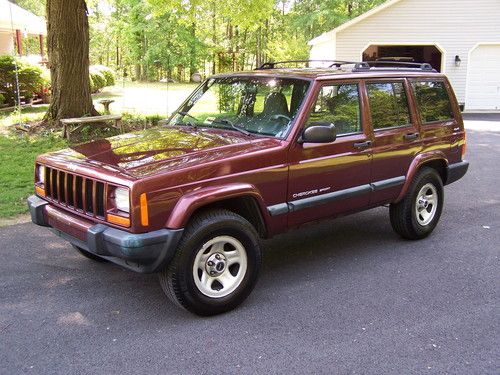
[[147, 152]]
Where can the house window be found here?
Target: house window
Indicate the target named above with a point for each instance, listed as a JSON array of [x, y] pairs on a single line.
[[388, 105], [338, 104], [433, 102]]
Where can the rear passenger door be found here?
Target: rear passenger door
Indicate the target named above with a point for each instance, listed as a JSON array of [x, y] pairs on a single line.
[[396, 137]]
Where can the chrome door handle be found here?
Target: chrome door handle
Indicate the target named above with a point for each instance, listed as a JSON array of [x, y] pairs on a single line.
[[411, 136], [361, 145]]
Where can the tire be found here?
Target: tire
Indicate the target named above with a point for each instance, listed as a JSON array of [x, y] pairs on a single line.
[[216, 264], [89, 255], [418, 213]]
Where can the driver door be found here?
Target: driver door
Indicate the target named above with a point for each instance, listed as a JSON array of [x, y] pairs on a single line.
[[332, 178]]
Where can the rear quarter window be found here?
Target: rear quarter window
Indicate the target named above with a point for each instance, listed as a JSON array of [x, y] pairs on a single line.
[[433, 101]]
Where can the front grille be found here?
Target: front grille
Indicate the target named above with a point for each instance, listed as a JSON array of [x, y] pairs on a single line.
[[79, 193]]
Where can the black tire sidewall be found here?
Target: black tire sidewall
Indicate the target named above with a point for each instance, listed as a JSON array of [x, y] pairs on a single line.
[[199, 302]]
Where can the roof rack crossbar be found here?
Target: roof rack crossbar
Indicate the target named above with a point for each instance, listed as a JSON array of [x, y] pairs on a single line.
[[332, 63], [365, 65]]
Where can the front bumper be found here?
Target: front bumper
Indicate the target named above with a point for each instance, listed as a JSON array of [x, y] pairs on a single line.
[[145, 253]]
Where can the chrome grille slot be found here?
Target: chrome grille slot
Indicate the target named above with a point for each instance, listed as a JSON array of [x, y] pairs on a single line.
[[100, 199], [78, 193], [88, 196], [61, 186], [53, 184], [70, 199]]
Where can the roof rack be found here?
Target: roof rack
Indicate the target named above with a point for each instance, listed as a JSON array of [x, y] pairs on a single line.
[[332, 63], [358, 66], [393, 65]]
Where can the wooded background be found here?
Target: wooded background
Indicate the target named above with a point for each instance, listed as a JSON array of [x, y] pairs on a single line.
[[155, 39]]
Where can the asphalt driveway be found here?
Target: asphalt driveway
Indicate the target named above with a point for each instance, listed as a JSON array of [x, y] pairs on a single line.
[[342, 297]]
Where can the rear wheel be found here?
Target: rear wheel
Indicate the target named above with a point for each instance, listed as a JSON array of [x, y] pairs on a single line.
[[216, 264], [89, 255], [418, 213]]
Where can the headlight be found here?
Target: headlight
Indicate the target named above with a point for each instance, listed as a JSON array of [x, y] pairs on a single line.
[[122, 201], [41, 174]]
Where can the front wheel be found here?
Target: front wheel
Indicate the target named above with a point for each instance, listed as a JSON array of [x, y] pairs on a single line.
[[417, 215], [216, 264]]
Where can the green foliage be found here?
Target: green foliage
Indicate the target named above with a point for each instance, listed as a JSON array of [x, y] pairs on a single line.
[[100, 77], [16, 174], [31, 78], [155, 39], [2, 99]]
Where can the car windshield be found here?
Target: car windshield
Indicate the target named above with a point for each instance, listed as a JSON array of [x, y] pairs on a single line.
[[251, 105]]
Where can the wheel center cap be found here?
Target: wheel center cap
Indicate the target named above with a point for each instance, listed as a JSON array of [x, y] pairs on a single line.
[[216, 264], [423, 203]]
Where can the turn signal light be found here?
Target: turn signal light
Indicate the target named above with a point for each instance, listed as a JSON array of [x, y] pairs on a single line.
[[119, 220], [144, 210], [40, 191]]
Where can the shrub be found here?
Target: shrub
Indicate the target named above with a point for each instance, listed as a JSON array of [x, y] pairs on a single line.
[[2, 99], [31, 78], [100, 77]]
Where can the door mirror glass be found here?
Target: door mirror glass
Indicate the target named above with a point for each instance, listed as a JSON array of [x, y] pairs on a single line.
[[319, 132]]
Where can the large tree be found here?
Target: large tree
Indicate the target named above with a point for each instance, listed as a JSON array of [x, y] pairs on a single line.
[[68, 52]]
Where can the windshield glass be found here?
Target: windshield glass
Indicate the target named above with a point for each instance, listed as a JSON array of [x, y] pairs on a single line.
[[255, 105]]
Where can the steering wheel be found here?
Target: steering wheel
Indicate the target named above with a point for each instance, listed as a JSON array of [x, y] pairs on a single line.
[[277, 117]]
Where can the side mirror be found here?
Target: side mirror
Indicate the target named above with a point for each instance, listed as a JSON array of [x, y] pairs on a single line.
[[319, 132]]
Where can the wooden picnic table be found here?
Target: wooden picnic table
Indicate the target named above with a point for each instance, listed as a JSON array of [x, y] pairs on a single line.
[[79, 122]]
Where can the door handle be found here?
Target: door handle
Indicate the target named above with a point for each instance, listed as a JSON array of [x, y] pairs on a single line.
[[411, 136], [361, 145]]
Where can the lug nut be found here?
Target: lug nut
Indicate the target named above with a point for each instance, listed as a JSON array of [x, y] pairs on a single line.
[[210, 263], [217, 256], [212, 273]]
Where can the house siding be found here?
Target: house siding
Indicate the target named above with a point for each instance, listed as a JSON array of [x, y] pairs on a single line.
[[455, 26]]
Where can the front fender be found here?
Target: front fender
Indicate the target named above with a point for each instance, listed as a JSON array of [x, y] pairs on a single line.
[[196, 199], [417, 162]]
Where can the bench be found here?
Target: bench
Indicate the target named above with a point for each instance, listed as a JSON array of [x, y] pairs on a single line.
[[79, 122]]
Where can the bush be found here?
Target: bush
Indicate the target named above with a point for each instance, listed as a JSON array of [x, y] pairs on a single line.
[[31, 78], [100, 77], [2, 99]]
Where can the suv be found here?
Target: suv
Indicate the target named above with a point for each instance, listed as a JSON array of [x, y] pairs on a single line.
[[250, 155]]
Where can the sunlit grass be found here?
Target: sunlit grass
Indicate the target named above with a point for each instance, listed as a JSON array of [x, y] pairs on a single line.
[[17, 157], [28, 114]]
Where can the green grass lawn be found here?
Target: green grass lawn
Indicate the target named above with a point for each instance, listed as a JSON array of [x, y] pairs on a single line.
[[17, 158], [28, 114]]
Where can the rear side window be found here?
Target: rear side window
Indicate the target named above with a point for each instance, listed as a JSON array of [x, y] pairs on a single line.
[[388, 105], [338, 104], [433, 102]]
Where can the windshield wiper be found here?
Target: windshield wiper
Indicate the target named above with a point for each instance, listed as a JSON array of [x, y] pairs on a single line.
[[232, 125]]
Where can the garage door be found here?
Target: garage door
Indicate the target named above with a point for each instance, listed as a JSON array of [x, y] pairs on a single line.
[[483, 79]]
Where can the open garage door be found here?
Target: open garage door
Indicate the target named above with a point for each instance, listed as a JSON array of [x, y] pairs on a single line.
[[419, 53], [483, 78]]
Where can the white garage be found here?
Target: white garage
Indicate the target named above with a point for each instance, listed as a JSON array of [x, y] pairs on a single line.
[[458, 38], [483, 79]]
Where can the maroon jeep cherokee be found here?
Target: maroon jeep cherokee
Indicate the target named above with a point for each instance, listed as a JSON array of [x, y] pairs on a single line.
[[250, 155]]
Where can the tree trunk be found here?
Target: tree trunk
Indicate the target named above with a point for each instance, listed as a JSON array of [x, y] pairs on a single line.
[[68, 52]]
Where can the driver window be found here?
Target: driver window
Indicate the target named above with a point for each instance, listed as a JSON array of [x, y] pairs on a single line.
[[338, 104]]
